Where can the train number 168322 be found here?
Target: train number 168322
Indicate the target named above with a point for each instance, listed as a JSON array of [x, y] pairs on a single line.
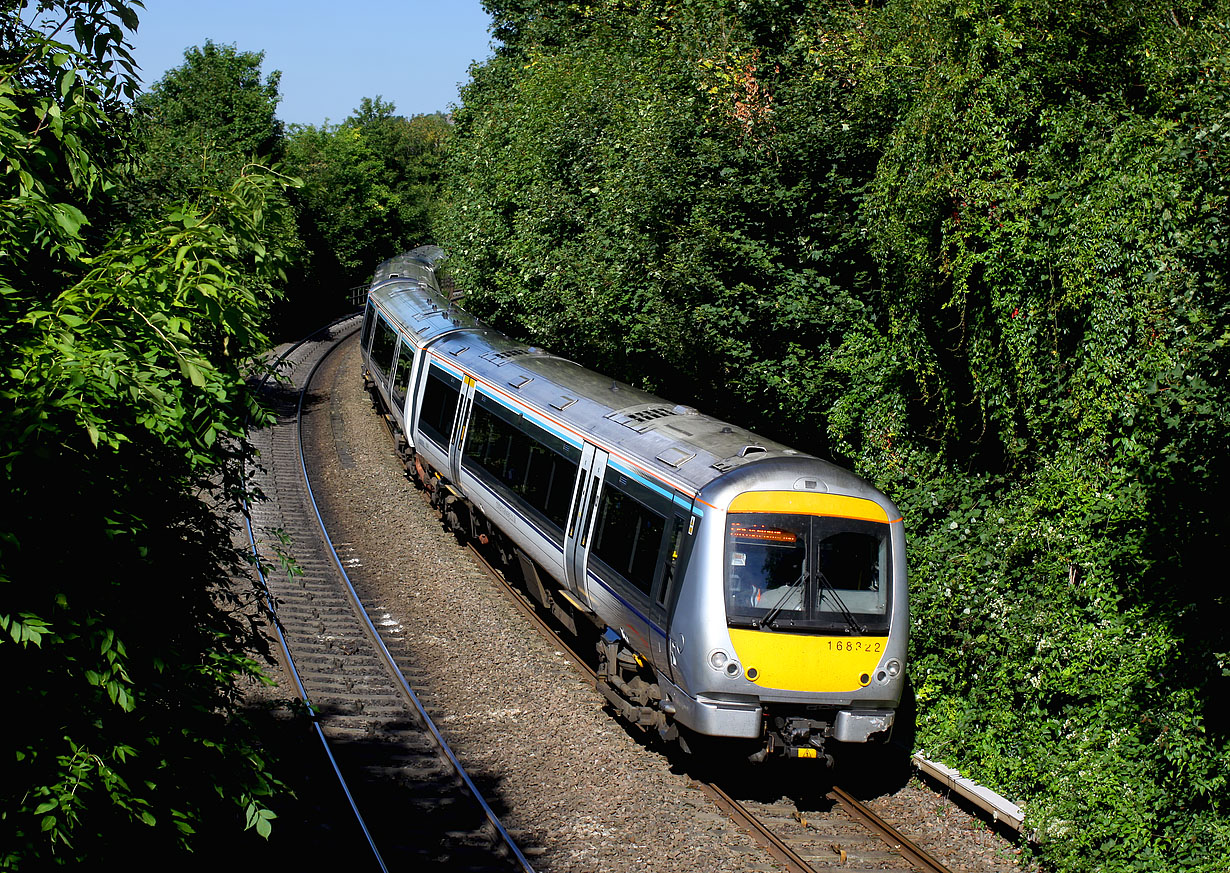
[[855, 646]]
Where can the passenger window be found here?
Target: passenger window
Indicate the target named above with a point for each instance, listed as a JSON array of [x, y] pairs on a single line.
[[628, 536], [520, 457], [440, 396], [401, 375], [382, 347]]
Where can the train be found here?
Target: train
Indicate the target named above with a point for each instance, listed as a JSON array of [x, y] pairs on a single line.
[[741, 594]]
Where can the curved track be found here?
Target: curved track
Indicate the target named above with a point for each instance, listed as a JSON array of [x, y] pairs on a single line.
[[412, 800]]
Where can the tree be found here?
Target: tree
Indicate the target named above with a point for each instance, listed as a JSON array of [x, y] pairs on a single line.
[[369, 190], [202, 123], [125, 408], [194, 134]]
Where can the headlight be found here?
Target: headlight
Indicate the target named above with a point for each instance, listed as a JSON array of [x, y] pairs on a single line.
[[718, 659], [888, 671]]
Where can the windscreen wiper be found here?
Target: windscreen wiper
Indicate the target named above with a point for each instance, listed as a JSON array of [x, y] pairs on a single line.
[[781, 601], [845, 613]]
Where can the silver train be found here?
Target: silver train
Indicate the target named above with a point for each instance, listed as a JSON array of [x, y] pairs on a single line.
[[739, 589]]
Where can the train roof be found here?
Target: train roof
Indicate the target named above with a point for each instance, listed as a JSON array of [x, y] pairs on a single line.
[[675, 442]]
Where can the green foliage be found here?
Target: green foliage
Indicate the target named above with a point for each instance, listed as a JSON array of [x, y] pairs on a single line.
[[201, 124], [977, 251], [369, 188], [199, 129], [607, 202], [125, 407]]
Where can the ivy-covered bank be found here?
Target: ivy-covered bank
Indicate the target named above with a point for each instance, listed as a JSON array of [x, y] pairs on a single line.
[[975, 250]]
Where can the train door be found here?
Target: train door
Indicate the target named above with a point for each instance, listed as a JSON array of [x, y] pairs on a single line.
[[676, 549], [460, 424], [590, 474], [413, 389]]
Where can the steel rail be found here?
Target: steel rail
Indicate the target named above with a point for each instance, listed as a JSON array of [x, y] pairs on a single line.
[[369, 627], [277, 625], [777, 847], [733, 809], [390, 662], [907, 848]]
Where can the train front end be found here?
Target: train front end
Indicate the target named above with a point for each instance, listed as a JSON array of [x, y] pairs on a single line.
[[802, 608]]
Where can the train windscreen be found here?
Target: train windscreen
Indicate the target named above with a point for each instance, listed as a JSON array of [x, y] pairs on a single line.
[[807, 573]]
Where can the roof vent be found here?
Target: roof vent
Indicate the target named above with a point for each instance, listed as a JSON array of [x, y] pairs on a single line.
[[745, 455], [502, 358], [639, 418]]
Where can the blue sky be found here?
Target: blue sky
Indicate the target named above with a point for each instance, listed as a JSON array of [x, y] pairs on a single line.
[[413, 53]]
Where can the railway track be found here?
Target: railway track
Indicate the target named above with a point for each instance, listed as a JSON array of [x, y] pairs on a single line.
[[810, 830], [412, 801], [846, 835]]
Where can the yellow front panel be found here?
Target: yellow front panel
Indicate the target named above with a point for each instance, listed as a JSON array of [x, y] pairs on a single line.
[[802, 662], [809, 503]]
